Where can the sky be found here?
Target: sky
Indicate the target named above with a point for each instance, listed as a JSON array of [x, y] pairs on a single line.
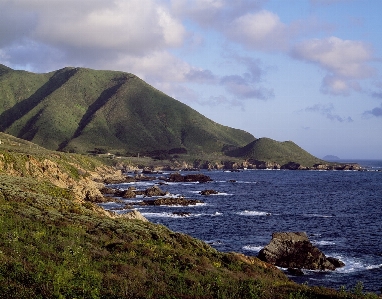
[[308, 71]]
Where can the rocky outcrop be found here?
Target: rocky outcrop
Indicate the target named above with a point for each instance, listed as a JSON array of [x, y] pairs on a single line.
[[177, 177], [134, 215], [129, 193], [256, 164], [294, 166], [155, 191], [208, 192], [294, 250]]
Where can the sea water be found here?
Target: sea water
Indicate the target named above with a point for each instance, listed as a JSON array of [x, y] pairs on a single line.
[[341, 211]]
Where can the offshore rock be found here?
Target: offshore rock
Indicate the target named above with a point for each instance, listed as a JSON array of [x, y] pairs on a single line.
[[129, 193], [208, 192], [294, 250], [155, 191]]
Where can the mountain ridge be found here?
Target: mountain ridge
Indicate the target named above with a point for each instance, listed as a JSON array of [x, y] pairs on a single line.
[[78, 109], [81, 110]]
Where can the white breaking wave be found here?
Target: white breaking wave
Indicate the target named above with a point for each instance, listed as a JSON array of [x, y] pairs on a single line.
[[253, 248], [197, 192], [318, 215], [176, 215], [354, 265], [253, 213], [165, 215], [323, 243]]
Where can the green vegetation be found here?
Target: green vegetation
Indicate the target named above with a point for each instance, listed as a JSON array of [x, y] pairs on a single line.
[[265, 149], [53, 245], [77, 110]]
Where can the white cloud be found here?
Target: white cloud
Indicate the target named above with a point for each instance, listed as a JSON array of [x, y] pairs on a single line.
[[91, 29], [154, 67], [262, 30], [346, 61], [134, 26]]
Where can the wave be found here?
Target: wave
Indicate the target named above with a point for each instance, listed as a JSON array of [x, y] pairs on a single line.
[[253, 213], [214, 242], [355, 265], [318, 215], [254, 248], [323, 243], [176, 215], [165, 215], [197, 192]]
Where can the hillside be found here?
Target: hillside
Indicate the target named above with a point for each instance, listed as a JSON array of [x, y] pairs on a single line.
[[266, 149], [56, 244], [78, 109]]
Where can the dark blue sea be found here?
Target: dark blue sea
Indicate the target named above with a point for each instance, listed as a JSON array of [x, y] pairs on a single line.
[[341, 211]]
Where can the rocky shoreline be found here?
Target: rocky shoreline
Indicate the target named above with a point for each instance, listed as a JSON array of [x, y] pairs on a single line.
[[236, 166]]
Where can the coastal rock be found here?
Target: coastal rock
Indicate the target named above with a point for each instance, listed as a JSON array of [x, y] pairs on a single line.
[[133, 215], [155, 191], [177, 177], [208, 192], [182, 214], [129, 193], [294, 166], [294, 250]]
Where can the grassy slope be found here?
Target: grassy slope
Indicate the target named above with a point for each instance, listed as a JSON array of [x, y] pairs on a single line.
[[52, 246], [75, 108], [265, 149]]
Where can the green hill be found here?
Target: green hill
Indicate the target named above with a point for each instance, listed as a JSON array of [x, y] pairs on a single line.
[[78, 109], [266, 149]]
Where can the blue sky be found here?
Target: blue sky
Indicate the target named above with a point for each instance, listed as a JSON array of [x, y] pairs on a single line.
[[302, 70]]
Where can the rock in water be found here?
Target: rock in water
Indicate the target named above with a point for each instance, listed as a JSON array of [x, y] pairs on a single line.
[[294, 250]]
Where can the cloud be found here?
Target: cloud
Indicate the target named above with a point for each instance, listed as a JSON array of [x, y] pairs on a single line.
[[131, 26], [337, 85], [89, 31], [159, 66], [214, 13], [247, 85], [328, 112], [201, 76], [262, 30], [377, 112], [243, 88], [345, 61], [14, 24], [377, 95]]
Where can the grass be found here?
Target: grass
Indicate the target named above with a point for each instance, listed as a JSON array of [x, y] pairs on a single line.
[[266, 149], [77, 109], [53, 245]]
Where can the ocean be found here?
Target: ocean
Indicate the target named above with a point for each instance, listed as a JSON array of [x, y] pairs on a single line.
[[339, 210]]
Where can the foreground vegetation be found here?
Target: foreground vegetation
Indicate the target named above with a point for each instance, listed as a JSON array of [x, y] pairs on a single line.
[[55, 245]]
